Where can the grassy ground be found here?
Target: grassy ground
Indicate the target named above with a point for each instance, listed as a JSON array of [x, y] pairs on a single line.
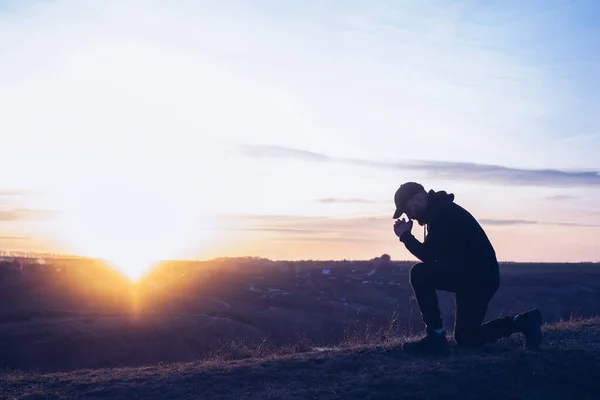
[[566, 367]]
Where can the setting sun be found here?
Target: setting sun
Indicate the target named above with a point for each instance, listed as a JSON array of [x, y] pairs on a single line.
[[132, 266], [131, 227]]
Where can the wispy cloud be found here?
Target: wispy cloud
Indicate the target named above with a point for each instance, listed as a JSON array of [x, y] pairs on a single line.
[[339, 229], [532, 222], [570, 224], [11, 193], [561, 197], [280, 152], [14, 238], [321, 239], [316, 234], [507, 222], [332, 200], [13, 215], [301, 222], [487, 173], [315, 227], [276, 229]]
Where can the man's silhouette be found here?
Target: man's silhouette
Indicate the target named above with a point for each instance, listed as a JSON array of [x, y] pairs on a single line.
[[456, 256]]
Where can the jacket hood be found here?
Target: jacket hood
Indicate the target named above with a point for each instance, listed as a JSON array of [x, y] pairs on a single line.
[[436, 201]]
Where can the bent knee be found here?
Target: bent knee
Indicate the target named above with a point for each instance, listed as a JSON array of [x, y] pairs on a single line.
[[419, 272]]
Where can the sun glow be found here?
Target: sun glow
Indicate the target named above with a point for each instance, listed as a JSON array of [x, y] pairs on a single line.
[[132, 230], [132, 266], [132, 258]]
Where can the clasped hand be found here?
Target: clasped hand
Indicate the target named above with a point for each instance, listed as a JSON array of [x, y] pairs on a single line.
[[401, 226]]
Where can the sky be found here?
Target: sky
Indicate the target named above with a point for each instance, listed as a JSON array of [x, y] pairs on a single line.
[[143, 130]]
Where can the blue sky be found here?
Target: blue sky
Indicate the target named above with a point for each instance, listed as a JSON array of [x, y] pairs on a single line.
[[200, 129]]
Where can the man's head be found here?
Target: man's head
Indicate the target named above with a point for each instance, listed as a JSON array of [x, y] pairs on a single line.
[[411, 198]]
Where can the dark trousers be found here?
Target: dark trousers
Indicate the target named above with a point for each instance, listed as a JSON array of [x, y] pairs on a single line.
[[472, 299]]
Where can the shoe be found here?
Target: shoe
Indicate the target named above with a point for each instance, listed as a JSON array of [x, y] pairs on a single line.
[[530, 324], [431, 343]]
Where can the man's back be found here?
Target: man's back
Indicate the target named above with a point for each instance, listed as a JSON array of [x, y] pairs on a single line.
[[461, 242]]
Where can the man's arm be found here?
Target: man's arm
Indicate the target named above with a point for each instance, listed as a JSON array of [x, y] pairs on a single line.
[[431, 248]]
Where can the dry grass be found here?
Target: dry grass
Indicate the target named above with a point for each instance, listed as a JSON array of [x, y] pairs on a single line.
[[366, 366], [391, 334]]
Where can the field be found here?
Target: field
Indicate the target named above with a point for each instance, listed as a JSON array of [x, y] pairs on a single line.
[[566, 368], [254, 328]]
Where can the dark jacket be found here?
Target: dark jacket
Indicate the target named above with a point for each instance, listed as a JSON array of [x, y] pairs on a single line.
[[454, 240]]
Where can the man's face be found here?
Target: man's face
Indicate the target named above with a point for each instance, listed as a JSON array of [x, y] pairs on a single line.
[[415, 208]]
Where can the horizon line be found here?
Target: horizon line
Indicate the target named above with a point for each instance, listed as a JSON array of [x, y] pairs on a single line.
[[58, 256]]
